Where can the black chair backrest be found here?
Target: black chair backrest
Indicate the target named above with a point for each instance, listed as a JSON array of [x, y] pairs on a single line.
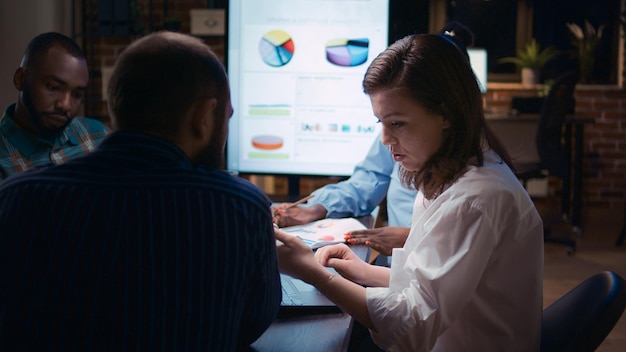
[[582, 318], [557, 104]]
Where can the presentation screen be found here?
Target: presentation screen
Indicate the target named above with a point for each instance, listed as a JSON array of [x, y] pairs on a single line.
[[296, 69]]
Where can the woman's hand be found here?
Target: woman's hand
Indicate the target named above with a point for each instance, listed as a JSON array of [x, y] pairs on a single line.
[[295, 258], [344, 261], [382, 239]]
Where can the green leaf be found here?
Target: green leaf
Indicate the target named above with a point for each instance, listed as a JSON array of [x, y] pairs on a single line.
[[531, 56]]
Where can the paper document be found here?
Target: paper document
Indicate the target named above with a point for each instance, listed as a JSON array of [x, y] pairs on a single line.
[[324, 232]]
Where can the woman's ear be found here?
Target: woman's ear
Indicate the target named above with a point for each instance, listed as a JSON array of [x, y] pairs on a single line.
[[18, 78]]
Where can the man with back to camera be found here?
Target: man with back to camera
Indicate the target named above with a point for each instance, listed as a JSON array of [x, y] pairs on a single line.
[[41, 127], [144, 243]]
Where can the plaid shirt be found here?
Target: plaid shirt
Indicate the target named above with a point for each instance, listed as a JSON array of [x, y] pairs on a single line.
[[21, 150]]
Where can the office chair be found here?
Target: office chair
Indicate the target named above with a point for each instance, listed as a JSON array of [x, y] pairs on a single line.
[[549, 143], [582, 318]]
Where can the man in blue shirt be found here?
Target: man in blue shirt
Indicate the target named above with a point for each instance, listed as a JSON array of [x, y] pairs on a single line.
[[41, 127], [145, 243]]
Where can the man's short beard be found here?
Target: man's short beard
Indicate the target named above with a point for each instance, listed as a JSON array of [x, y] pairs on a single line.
[[35, 116], [212, 155]]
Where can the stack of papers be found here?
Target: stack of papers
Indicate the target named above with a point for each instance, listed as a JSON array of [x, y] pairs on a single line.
[[324, 232]]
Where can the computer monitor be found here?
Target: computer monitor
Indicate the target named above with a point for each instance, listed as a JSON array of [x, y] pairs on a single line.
[[296, 69], [478, 60]]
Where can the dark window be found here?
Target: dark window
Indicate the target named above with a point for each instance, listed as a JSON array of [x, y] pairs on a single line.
[[502, 26], [407, 17], [550, 28], [494, 27]]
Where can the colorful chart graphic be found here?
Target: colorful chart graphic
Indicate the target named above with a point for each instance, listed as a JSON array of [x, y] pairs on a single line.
[[276, 48], [324, 225], [347, 52], [326, 238], [267, 142]]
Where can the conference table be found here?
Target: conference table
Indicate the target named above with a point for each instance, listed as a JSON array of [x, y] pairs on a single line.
[[518, 131], [321, 332]]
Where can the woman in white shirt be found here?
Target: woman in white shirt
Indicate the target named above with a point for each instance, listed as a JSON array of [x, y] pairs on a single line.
[[469, 277]]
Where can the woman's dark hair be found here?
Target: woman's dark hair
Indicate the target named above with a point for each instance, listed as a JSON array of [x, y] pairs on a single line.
[[158, 78], [432, 70]]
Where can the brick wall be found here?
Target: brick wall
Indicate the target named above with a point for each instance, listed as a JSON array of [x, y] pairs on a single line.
[[103, 48], [605, 146], [604, 163]]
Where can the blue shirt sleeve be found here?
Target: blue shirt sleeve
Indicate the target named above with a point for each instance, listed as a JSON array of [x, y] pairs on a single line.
[[364, 190], [373, 179]]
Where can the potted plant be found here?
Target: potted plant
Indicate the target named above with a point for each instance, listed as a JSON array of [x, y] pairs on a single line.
[[531, 60], [585, 40]]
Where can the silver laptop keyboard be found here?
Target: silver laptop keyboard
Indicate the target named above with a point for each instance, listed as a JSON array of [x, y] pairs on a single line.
[[290, 296]]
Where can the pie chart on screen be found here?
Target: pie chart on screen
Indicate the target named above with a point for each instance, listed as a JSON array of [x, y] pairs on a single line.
[[347, 52], [267, 142], [276, 48]]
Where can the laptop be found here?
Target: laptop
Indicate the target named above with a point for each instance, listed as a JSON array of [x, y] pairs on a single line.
[[300, 298]]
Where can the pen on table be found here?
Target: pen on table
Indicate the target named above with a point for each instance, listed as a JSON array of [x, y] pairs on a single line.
[[299, 201], [278, 211]]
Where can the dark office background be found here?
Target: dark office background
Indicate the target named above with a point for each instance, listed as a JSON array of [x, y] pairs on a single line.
[[494, 24]]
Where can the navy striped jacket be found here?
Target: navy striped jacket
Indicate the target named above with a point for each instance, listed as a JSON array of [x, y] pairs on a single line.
[[133, 248]]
